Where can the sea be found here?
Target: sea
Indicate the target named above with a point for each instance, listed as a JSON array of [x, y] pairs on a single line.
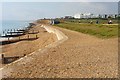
[[12, 24]]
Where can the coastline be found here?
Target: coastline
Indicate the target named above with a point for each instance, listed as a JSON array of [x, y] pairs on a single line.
[[59, 38], [26, 47], [12, 26], [62, 59]]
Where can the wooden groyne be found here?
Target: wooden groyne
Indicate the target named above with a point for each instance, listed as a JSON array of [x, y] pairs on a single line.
[[26, 38], [14, 33], [7, 60], [18, 33]]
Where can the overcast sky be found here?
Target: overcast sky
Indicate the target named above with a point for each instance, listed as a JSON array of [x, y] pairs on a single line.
[[59, 0], [35, 10]]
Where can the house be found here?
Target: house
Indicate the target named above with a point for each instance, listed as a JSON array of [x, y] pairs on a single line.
[[68, 17]]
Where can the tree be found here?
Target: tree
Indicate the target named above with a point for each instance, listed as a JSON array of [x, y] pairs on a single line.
[[100, 16], [105, 15], [109, 17], [91, 15], [115, 15]]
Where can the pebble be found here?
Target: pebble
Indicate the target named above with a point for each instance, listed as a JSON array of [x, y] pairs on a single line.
[[49, 70]]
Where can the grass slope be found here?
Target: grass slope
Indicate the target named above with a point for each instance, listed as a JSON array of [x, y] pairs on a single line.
[[98, 30]]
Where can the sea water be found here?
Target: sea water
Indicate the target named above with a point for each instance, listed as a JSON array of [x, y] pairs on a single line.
[[12, 24]]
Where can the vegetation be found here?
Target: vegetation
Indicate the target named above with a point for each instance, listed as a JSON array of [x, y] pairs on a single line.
[[99, 30]]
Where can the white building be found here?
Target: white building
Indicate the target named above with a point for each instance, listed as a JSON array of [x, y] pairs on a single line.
[[77, 16], [109, 15], [89, 15], [85, 15]]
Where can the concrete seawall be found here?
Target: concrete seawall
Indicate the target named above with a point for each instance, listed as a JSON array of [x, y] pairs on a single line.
[[60, 36], [58, 33]]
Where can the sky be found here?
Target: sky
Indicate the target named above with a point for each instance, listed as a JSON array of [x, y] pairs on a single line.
[[32, 10], [59, 0]]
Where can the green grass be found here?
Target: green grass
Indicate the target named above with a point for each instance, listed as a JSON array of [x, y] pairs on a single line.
[[98, 30], [101, 21]]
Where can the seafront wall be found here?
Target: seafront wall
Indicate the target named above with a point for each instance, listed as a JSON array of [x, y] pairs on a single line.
[[58, 33]]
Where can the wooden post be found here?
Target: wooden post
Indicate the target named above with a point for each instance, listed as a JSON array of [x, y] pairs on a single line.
[[36, 36], [19, 38], [17, 31], [33, 31], [10, 33], [3, 59], [8, 39], [14, 30], [24, 54], [28, 37], [3, 32]]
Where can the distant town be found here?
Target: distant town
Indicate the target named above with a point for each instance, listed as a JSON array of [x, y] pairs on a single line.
[[108, 17], [91, 15]]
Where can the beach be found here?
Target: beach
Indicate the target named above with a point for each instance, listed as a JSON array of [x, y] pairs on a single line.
[[76, 55], [59, 40], [25, 46]]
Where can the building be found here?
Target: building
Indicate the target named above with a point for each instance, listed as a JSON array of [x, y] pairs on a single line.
[[90, 15], [109, 15], [68, 17], [85, 15], [77, 16]]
